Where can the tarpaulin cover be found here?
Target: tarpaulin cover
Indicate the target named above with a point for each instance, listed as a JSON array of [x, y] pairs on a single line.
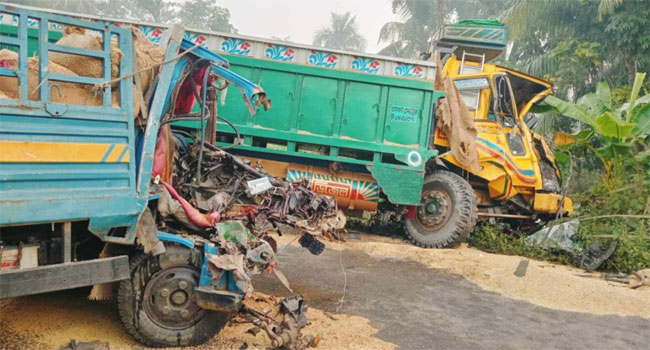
[[478, 22]]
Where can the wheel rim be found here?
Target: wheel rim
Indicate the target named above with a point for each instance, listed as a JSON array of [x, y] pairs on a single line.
[[435, 210], [168, 298]]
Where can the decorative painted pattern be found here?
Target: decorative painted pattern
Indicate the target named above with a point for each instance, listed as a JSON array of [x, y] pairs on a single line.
[[279, 53], [323, 59], [367, 190], [338, 186], [236, 46], [195, 38], [366, 65], [153, 34], [15, 19], [483, 34], [30, 22], [408, 70]]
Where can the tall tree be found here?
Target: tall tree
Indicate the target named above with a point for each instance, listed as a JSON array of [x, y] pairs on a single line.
[[159, 11], [205, 14], [578, 43], [409, 37], [200, 14], [420, 19], [343, 33]]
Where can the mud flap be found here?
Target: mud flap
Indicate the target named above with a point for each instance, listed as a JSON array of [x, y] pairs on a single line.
[[402, 186], [146, 232]]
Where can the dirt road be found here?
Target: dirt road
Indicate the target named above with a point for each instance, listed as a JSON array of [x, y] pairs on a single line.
[[416, 307], [388, 303]]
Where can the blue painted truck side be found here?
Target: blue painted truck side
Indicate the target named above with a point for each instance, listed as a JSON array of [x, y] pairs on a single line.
[[63, 163], [57, 187]]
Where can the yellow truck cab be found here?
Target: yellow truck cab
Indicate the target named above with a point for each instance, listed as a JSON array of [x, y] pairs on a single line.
[[518, 177]]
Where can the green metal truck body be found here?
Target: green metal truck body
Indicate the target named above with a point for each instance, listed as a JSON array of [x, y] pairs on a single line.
[[374, 121]]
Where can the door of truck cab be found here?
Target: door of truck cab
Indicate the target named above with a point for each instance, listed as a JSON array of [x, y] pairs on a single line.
[[527, 91], [503, 140]]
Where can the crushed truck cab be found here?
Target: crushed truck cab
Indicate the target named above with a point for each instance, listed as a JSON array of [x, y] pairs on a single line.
[[518, 174]]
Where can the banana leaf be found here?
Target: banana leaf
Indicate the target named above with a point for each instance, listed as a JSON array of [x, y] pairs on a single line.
[[610, 126], [571, 110], [642, 120]]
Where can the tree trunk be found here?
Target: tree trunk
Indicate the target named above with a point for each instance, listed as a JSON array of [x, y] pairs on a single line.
[[631, 65], [440, 13]]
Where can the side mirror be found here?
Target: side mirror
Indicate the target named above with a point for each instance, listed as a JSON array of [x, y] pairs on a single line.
[[531, 120]]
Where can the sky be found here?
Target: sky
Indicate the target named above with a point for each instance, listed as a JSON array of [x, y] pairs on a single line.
[[299, 19]]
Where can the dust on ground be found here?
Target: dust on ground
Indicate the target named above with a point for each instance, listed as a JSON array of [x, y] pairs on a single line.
[[49, 321], [545, 284]]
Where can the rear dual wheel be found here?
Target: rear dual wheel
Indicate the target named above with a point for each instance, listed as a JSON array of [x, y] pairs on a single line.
[[447, 213]]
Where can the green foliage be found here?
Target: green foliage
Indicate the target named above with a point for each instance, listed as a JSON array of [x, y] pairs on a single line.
[[573, 61], [630, 196], [343, 33], [578, 43], [205, 14], [619, 132], [491, 238], [200, 14]]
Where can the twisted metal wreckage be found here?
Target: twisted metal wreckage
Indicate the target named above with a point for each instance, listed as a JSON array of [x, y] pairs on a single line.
[[228, 205]]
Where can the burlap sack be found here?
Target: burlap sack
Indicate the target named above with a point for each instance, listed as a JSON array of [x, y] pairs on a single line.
[[456, 122], [84, 65], [70, 93], [147, 55]]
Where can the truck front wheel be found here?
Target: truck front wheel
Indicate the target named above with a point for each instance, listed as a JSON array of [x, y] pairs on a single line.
[[447, 213], [157, 306]]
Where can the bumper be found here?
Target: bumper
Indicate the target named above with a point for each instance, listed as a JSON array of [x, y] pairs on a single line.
[[549, 203], [50, 278]]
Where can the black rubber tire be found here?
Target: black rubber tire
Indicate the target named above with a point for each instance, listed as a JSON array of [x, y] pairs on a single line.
[[463, 217], [138, 322]]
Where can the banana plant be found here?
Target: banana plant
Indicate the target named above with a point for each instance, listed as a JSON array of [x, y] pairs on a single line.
[[622, 132]]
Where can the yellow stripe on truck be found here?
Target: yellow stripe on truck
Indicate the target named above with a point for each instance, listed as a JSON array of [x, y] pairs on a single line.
[[61, 152]]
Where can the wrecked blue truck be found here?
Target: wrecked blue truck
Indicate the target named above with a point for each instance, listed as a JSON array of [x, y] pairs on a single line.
[[100, 187]]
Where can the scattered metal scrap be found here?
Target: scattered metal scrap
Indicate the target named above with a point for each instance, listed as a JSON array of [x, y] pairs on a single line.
[[563, 237], [230, 207], [285, 332], [239, 191], [93, 345]]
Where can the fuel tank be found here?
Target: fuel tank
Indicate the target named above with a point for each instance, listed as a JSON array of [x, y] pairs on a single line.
[[351, 190]]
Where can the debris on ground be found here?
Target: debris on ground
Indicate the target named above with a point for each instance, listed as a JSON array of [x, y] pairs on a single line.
[[92, 345], [563, 237], [634, 280], [521, 268], [560, 236]]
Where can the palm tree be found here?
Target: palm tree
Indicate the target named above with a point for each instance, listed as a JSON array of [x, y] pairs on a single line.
[[343, 33], [409, 37], [420, 19], [538, 28]]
